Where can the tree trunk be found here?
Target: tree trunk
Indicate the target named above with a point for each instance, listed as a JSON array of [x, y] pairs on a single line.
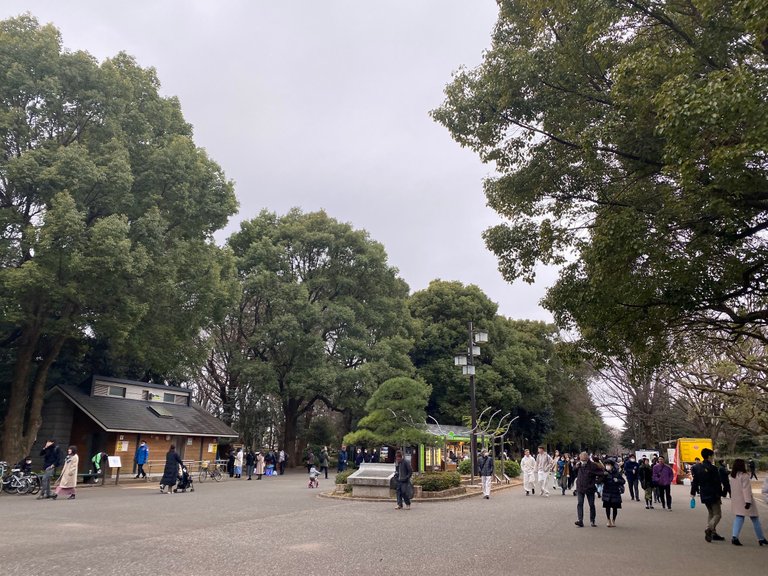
[[291, 418], [13, 427]]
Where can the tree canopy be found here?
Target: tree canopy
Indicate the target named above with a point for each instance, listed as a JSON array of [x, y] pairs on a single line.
[[630, 140], [322, 318], [107, 210]]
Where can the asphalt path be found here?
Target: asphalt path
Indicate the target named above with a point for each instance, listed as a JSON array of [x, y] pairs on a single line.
[[278, 525]]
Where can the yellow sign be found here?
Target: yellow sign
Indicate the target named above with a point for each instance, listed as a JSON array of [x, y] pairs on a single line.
[[690, 448]]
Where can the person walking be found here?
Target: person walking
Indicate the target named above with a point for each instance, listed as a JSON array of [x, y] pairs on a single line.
[[171, 470], [645, 475], [67, 482], [309, 460], [52, 459], [630, 471], [743, 504], [342, 463], [259, 465], [662, 479], [485, 471], [528, 466], [403, 473], [359, 459], [563, 472], [752, 470], [141, 457], [231, 464], [587, 475], [324, 461], [250, 461], [282, 458], [543, 469], [239, 463], [705, 480], [613, 486], [726, 484]]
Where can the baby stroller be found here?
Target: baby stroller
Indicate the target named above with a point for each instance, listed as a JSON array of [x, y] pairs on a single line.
[[185, 481], [314, 474]]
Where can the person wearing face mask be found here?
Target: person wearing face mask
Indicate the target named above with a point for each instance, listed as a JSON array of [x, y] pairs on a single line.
[[630, 471], [587, 475], [613, 486], [645, 474]]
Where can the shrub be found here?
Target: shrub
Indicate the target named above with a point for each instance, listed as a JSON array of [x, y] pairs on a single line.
[[341, 477], [437, 481], [511, 467]]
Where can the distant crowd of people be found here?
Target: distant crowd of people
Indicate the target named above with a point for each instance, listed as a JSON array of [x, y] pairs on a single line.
[[591, 476]]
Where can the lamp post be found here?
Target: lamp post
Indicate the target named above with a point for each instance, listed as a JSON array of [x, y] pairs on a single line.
[[466, 361]]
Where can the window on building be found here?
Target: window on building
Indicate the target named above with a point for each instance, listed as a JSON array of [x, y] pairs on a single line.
[[117, 391]]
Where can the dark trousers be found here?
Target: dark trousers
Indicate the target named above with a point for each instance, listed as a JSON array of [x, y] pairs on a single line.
[[590, 496], [46, 481], [665, 495], [752, 475], [324, 469], [634, 493], [282, 467], [140, 470], [403, 489]]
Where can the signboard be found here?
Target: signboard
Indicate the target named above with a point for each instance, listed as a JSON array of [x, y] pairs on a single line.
[[114, 462], [211, 448], [640, 454], [690, 448]]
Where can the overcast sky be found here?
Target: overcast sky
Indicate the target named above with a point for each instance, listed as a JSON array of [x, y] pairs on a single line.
[[324, 104]]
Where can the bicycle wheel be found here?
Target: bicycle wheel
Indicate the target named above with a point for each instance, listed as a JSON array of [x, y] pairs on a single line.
[[216, 475], [34, 484], [203, 474], [21, 486]]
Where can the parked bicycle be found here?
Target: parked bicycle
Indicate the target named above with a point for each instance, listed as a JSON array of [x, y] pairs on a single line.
[[208, 470], [14, 482]]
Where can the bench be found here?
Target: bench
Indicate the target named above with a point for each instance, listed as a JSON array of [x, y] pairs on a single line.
[[83, 478]]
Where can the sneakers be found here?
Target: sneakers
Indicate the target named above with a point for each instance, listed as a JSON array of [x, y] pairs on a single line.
[[579, 524], [593, 525], [716, 536], [54, 496], [71, 497], [735, 541], [407, 506]]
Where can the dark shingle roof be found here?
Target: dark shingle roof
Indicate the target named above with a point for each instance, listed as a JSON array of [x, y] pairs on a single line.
[[122, 415]]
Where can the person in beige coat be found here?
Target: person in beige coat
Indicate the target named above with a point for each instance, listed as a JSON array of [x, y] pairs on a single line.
[[742, 503], [67, 482], [259, 465]]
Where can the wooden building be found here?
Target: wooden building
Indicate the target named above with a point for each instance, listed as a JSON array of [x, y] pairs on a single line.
[[114, 416]]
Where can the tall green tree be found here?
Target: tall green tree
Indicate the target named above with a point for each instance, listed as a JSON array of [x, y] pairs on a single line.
[[630, 138], [322, 312], [107, 210]]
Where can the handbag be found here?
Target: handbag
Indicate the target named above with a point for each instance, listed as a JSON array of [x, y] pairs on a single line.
[[393, 482]]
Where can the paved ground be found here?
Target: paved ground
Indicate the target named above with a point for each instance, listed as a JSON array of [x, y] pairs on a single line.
[[277, 525]]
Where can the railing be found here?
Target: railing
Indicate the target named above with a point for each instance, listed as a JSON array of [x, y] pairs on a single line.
[[155, 468]]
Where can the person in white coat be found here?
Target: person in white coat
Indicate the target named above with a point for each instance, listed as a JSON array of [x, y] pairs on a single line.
[[742, 503], [543, 469], [239, 463], [528, 467]]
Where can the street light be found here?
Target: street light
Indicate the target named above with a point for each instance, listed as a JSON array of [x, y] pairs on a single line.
[[466, 361]]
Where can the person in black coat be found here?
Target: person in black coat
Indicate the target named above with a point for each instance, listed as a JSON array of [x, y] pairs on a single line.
[[250, 462], [706, 482], [723, 470], [171, 470], [613, 486]]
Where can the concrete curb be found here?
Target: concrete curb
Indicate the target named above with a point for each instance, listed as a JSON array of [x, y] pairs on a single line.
[[475, 491]]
